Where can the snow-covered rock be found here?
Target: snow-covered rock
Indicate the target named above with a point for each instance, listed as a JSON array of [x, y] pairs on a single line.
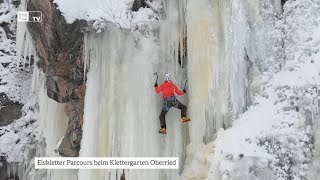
[[276, 134], [20, 135]]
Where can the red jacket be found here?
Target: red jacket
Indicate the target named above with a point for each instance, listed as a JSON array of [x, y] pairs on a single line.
[[168, 89]]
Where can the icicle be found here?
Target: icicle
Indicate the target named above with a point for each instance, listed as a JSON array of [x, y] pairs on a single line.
[[21, 32], [117, 69], [53, 122], [35, 76], [25, 51], [29, 55], [85, 57], [24, 41], [172, 33], [112, 114], [25, 48]]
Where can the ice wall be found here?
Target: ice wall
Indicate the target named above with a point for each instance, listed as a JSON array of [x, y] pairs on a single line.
[[53, 123], [229, 42], [172, 38], [227, 46], [222, 56], [121, 108], [314, 170], [201, 56]]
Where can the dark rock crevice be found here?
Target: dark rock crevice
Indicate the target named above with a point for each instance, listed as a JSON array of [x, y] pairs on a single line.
[[283, 2], [137, 4], [5, 26], [9, 110]]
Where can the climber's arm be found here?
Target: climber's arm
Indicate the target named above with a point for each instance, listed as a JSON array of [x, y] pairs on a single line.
[[158, 89], [178, 91]]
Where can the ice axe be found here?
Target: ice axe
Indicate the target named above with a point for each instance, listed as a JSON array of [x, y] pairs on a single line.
[[156, 84], [185, 85]]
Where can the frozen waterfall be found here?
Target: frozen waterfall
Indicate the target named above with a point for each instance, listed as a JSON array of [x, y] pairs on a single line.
[[221, 55], [225, 43], [120, 85], [121, 108], [53, 122]]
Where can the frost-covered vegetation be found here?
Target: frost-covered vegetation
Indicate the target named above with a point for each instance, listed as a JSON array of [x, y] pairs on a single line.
[[17, 138], [277, 132]]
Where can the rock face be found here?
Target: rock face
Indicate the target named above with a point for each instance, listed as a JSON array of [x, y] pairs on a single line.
[[7, 30], [283, 1], [9, 110], [138, 4], [60, 48]]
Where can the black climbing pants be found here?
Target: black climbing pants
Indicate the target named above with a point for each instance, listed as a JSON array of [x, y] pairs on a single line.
[[167, 104]]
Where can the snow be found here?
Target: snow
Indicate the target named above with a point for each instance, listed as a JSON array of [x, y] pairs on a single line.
[[197, 165], [266, 132], [19, 137], [112, 10], [275, 134], [115, 11]]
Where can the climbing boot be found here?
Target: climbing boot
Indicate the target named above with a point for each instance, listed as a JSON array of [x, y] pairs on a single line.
[[163, 131], [185, 119]]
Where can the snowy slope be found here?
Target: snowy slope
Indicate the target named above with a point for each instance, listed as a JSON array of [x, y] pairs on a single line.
[[13, 82], [273, 139], [18, 138]]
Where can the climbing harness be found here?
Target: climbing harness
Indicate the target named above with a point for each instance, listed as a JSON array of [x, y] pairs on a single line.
[[169, 102]]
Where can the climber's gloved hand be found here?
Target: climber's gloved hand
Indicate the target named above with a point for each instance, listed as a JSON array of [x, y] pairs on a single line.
[[184, 91], [156, 85]]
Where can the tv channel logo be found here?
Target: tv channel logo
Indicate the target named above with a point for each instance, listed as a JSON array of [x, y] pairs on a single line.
[[29, 16]]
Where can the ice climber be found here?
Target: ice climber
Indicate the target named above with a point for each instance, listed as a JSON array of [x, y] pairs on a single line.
[[169, 89]]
